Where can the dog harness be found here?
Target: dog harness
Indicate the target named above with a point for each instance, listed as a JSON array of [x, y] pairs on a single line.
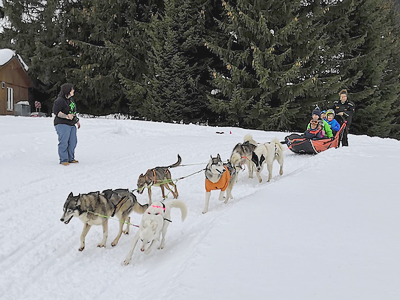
[[221, 184]]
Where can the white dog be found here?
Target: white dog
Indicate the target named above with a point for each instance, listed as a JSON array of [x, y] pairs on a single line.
[[266, 154], [155, 223]]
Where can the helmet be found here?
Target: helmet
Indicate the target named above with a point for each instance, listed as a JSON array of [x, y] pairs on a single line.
[[330, 111]]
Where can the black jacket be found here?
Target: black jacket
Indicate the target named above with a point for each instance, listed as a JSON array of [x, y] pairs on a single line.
[[346, 108], [66, 106]]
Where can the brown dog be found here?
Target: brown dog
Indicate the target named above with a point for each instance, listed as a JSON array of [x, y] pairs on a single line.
[[158, 176]]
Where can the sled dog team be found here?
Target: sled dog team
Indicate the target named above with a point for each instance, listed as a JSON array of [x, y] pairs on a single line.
[[96, 208]]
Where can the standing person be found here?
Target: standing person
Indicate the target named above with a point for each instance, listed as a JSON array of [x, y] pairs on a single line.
[[65, 119], [345, 109]]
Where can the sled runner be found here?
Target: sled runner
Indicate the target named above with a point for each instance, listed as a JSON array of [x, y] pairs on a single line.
[[299, 144]]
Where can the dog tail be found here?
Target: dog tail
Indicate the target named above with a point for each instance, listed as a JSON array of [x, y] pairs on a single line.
[[177, 163], [278, 144], [235, 160], [181, 205], [249, 138]]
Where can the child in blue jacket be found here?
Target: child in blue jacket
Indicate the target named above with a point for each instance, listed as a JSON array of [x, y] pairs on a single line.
[[330, 119]]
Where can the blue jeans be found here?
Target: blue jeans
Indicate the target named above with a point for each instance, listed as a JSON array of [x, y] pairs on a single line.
[[66, 142]]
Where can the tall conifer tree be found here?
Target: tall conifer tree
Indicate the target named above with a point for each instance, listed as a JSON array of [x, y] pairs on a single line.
[[173, 88], [272, 63]]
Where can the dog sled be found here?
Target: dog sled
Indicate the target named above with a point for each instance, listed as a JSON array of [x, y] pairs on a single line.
[[301, 145]]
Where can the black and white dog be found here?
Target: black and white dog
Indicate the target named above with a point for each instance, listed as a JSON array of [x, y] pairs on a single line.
[[266, 154]]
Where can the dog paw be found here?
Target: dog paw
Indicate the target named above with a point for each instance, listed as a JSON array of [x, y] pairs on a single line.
[[126, 232], [113, 244], [101, 245], [204, 212], [126, 262], [81, 248]]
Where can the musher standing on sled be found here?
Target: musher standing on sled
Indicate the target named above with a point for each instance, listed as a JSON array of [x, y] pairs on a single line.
[[345, 109]]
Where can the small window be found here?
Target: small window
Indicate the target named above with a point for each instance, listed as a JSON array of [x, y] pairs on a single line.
[[10, 99], [3, 85]]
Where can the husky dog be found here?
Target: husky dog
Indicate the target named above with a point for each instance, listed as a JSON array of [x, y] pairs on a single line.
[[245, 151], [155, 223], [160, 176], [267, 153], [124, 202], [221, 176], [95, 208]]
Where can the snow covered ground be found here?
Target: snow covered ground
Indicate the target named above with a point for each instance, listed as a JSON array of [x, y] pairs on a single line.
[[329, 228]]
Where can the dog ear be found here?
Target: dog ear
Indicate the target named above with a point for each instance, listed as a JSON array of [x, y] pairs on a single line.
[[218, 156], [70, 195]]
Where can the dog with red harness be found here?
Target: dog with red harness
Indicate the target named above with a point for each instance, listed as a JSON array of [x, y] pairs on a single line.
[[221, 176]]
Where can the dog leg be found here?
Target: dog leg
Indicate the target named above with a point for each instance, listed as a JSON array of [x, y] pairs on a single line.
[[126, 231], [259, 176], [269, 167], [85, 230], [164, 232], [221, 196], [121, 225], [163, 191], [250, 167], [149, 190], [105, 234], [129, 256], [175, 194], [208, 194], [280, 161]]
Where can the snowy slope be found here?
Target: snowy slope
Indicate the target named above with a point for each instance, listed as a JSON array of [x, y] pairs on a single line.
[[327, 229]]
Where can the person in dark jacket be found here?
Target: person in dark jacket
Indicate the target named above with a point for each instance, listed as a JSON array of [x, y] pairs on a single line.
[[315, 130], [65, 119], [344, 111]]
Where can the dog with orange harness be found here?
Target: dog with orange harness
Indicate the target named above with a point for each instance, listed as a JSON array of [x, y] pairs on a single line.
[[221, 176]]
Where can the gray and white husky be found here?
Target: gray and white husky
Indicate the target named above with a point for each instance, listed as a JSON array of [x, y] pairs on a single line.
[[154, 225], [221, 176], [266, 154], [95, 208], [245, 151]]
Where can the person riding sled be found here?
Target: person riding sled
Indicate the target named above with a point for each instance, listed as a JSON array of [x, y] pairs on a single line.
[[315, 130], [316, 113]]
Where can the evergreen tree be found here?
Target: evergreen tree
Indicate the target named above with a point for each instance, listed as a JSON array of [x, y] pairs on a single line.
[[365, 61], [111, 50], [273, 62], [173, 88]]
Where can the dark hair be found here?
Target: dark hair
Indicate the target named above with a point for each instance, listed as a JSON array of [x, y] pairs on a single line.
[[66, 88]]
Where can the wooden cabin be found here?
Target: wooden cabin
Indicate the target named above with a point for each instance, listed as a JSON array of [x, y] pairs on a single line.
[[14, 80]]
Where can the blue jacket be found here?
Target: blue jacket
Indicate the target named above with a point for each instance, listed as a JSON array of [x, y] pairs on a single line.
[[334, 125]]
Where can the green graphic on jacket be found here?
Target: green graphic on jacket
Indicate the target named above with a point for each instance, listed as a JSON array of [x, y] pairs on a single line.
[[72, 107]]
